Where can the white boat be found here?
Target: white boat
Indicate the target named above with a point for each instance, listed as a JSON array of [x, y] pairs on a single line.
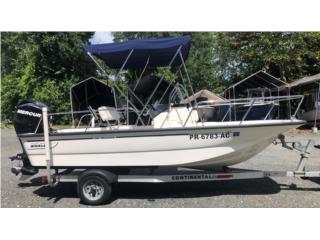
[[311, 116], [175, 136], [309, 86], [207, 145], [311, 108]]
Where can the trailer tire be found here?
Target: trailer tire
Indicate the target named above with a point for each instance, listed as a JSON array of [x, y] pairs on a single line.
[[94, 189]]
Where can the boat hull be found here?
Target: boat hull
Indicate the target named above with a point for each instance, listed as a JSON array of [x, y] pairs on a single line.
[[206, 146]]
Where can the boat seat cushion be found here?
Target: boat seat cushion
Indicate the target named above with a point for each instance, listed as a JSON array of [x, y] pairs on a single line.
[[108, 114], [176, 117]]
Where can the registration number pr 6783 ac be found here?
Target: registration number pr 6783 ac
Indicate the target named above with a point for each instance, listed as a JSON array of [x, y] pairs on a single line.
[[203, 136]]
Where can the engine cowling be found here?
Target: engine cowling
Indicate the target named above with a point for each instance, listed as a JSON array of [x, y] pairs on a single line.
[[28, 117]]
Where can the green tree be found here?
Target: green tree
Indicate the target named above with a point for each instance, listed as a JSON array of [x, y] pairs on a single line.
[[42, 66], [200, 61], [286, 55]]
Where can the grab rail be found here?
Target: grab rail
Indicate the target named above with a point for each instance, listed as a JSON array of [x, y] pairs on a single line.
[[250, 103], [249, 109], [232, 104]]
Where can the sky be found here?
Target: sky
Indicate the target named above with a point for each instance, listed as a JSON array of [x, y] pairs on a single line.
[[101, 37]]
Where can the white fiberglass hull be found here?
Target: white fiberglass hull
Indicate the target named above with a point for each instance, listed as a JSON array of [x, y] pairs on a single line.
[[211, 145]]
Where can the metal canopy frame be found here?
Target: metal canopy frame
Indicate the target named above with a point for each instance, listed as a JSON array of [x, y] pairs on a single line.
[[268, 82], [273, 81], [71, 99], [139, 113]]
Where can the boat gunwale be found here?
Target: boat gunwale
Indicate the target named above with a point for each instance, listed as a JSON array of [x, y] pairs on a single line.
[[143, 132]]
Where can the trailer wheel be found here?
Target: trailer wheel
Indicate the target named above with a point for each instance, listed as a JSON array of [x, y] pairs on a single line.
[[94, 190]]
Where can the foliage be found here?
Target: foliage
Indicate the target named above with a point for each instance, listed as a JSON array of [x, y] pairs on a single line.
[[199, 63], [287, 55], [42, 66]]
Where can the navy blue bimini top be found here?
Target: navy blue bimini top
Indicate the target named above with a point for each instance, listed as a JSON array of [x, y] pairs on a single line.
[[160, 51]]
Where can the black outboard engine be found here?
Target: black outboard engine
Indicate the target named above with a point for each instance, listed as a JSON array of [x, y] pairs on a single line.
[[28, 117]]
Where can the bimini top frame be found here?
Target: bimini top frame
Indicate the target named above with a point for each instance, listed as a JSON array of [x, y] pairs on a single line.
[[140, 54]]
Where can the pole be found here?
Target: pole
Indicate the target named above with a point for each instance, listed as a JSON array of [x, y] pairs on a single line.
[[71, 103], [47, 144], [317, 102], [188, 78]]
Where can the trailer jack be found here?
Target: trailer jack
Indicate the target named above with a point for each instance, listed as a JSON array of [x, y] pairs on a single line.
[[305, 151]]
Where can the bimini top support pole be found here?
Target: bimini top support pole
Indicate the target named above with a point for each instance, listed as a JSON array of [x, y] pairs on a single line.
[[124, 64], [159, 82], [188, 78], [144, 69], [98, 65]]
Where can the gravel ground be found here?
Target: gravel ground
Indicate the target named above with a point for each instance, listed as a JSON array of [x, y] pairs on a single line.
[[268, 192]]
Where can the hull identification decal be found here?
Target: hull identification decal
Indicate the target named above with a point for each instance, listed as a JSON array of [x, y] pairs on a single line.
[[204, 136]]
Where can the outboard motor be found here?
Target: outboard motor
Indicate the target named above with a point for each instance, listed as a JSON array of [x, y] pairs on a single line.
[[28, 117]]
